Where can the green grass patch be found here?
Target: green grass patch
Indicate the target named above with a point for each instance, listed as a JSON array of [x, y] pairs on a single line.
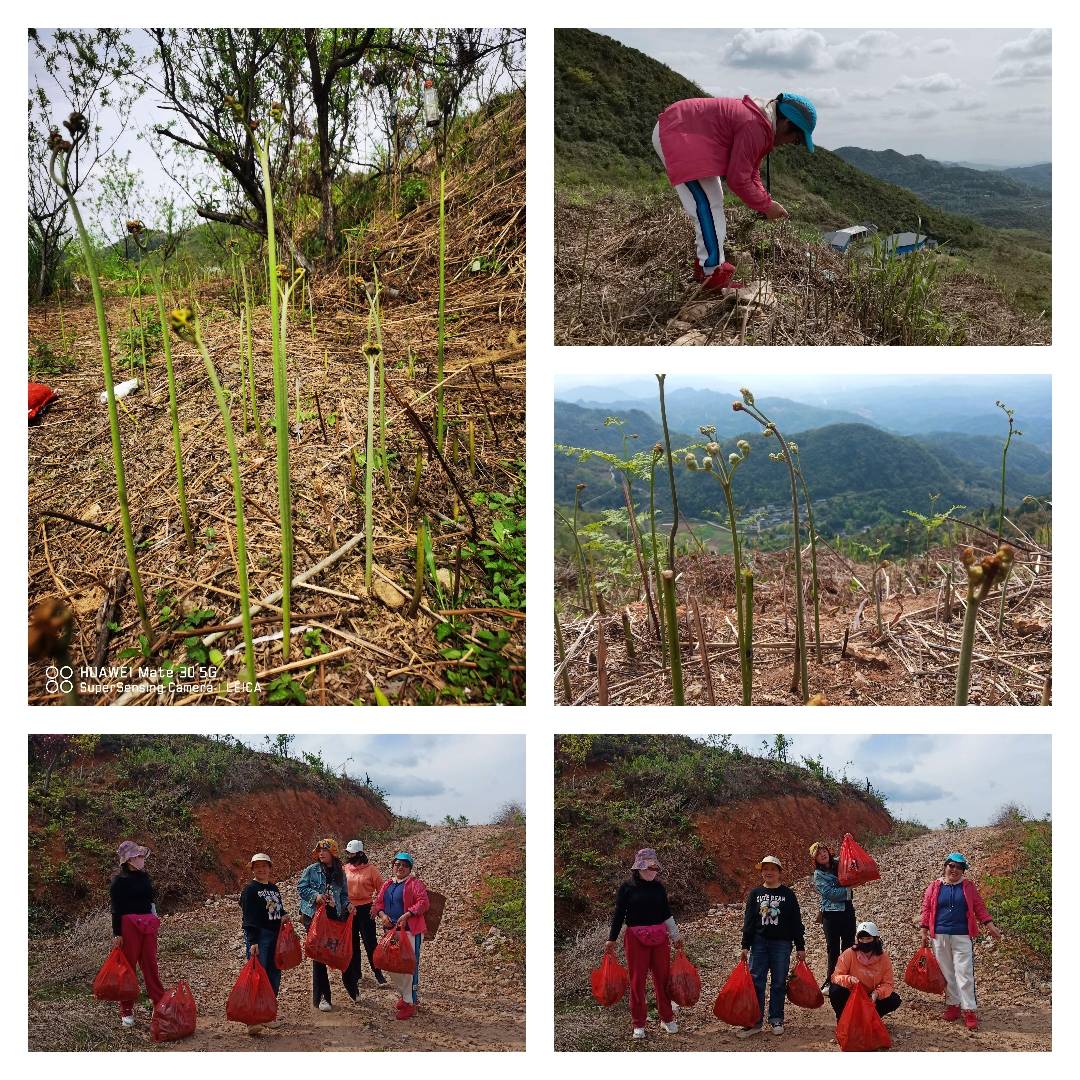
[[1021, 900]]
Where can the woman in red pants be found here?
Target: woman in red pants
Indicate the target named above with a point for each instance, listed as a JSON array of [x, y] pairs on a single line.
[[135, 922], [642, 903]]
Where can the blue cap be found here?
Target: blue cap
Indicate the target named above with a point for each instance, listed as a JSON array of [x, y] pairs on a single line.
[[956, 857], [801, 112], [404, 856]]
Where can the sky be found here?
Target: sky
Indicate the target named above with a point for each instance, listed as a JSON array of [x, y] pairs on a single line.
[[978, 96], [427, 776], [934, 777]]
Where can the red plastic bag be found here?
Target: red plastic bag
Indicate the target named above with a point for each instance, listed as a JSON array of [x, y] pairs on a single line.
[[288, 952], [923, 972], [174, 1015], [39, 395], [329, 940], [251, 1000], [737, 1003], [395, 953], [856, 866], [860, 1027], [684, 982], [609, 981], [116, 980], [803, 989]]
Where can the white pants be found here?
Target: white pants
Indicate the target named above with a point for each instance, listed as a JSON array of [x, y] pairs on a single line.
[[703, 201], [955, 954]]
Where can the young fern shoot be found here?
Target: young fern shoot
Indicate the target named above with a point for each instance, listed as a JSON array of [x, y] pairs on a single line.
[[281, 388], [981, 575], [185, 325], [1009, 413], [800, 678], [78, 127], [713, 462]]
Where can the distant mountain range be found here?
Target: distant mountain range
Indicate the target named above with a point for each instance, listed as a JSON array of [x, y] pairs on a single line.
[[1005, 198], [859, 475], [907, 407]]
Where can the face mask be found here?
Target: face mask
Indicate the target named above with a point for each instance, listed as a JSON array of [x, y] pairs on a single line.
[[865, 946]]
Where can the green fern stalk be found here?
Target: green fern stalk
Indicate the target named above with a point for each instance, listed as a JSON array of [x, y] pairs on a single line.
[[181, 490], [186, 325], [61, 152]]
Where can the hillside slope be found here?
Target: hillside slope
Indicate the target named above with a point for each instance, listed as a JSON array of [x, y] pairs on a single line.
[[201, 805], [1014, 1000], [709, 809], [204, 945]]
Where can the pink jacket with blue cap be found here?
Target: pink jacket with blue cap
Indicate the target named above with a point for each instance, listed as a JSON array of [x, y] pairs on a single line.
[[725, 137]]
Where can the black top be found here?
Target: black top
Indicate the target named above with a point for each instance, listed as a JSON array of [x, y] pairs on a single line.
[[639, 903], [131, 892], [774, 914], [261, 906]]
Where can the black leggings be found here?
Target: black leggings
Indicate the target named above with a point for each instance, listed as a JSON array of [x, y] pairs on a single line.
[[838, 996], [839, 927], [363, 930]]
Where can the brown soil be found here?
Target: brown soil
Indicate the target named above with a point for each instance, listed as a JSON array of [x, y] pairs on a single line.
[[912, 663], [472, 994], [736, 836], [374, 646], [284, 823], [1014, 1001], [623, 277]]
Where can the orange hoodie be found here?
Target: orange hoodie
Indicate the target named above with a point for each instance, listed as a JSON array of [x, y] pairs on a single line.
[[876, 975], [364, 882]]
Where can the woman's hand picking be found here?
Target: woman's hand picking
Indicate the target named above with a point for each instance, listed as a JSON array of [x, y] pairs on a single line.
[[776, 212]]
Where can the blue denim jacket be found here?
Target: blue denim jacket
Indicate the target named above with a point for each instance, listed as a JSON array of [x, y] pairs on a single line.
[[833, 895], [313, 884]]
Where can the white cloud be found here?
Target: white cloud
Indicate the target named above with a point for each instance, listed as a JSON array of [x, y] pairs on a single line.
[[858, 52], [938, 45], [867, 95], [784, 50], [926, 112], [968, 105], [1023, 71], [826, 97], [1037, 43], [940, 83]]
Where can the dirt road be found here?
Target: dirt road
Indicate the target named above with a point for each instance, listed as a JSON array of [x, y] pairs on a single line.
[[472, 991], [1014, 1004]]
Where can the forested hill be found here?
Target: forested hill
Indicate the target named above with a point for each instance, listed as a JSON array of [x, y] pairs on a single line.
[[858, 475], [994, 198]]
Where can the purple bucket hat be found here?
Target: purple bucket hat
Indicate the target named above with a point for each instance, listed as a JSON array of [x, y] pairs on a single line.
[[130, 850], [645, 858]]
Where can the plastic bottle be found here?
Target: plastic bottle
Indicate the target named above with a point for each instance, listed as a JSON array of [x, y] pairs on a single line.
[[432, 112]]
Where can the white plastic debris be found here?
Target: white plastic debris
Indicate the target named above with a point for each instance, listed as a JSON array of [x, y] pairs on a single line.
[[121, 390]]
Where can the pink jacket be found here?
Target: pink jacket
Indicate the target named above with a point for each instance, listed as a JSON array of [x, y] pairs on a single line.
[[976, 909], [718, 137], [416, 903]]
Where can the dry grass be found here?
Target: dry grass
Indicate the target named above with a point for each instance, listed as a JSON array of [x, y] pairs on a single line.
[[623, 277], [912, 663]]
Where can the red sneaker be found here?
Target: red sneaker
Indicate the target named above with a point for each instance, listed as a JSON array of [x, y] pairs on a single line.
[[971, 1021], [699, 273], [952, 1012], [722, 278]]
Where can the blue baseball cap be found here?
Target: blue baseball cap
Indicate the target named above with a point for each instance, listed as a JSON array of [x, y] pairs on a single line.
[[801, 112], [404, 856], [956, 857]]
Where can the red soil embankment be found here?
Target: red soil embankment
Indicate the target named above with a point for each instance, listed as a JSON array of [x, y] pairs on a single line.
[[285, 824], [738, 835]]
